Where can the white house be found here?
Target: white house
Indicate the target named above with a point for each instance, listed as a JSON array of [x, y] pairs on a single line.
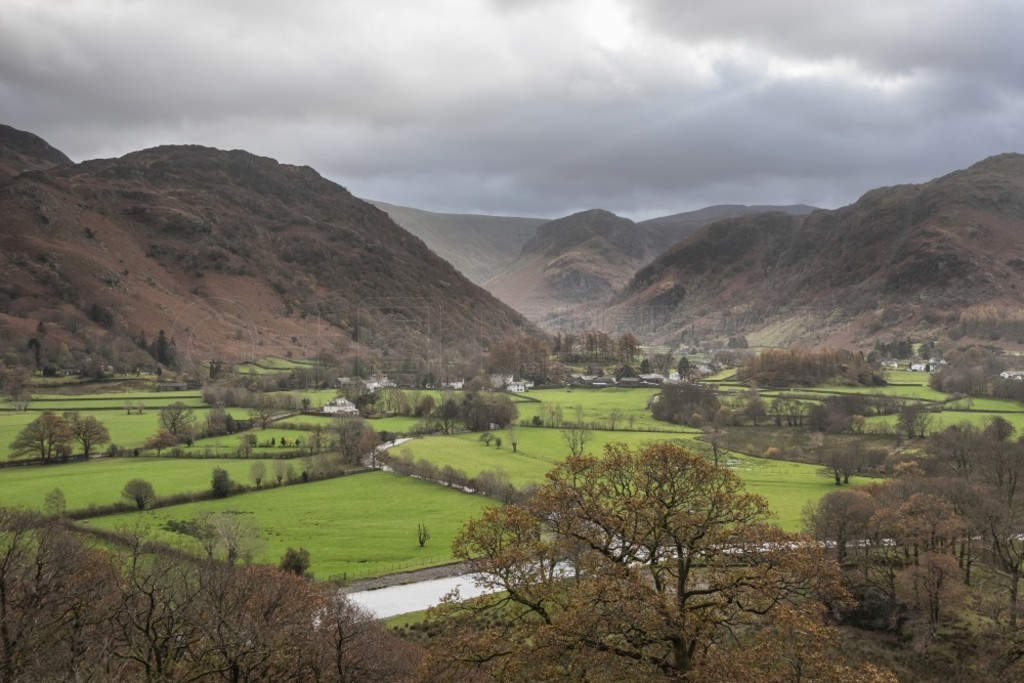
[[340, 406], [1012, 374], [516, 387]]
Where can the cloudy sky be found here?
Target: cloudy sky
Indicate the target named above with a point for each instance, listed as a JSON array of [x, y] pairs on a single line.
[[534, 107]]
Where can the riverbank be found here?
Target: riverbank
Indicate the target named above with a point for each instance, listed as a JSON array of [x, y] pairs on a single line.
[[402, 578]]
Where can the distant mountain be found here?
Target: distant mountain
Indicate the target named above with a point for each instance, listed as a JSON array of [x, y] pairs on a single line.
[[478, 246], [232, 255], [667, 230], [577, 263], [944, 258]]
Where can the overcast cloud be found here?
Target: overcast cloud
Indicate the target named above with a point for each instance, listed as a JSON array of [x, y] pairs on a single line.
[[534, 107]]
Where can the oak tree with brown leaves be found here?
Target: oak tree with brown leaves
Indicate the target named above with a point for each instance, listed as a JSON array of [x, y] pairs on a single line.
[[639, 565]]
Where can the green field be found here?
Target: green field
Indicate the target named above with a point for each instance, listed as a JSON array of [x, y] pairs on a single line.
[[273, 365], [787, 486], [357, 526], [597, 405], [127, 431], [99, 482], [366, 524]]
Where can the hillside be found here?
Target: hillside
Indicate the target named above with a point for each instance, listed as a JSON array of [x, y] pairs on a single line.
[[21, 151], [941, 258], [667, 230], [233, 256], [574, 265], [478, 246]]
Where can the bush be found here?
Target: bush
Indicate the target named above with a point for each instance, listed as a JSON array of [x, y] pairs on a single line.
[[295, 561], [221, 483]]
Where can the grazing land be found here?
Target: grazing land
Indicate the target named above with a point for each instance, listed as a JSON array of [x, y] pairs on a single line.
[[787, 486], [365, 525], [99, 482], [353, 527]]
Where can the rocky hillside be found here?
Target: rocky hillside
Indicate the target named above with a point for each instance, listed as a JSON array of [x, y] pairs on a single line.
[[478, 246], [944, 258], [232, 255], [21, 151]]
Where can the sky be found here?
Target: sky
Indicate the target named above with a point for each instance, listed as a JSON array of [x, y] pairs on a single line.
[[534, 107]]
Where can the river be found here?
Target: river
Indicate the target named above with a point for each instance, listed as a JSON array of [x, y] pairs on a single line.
[[412, 597]]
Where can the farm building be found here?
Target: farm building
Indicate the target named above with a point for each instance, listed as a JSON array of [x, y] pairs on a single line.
[[340, 406]]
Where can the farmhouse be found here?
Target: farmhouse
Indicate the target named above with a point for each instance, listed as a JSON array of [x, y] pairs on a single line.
[[340, 406], [1012, 374], [516, 387]]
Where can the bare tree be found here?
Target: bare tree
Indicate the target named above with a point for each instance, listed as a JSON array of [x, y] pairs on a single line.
[[87, 431], [280, 471], [46, 437], [577, 434], [179, 420], [258, 472], [576, 438], [512, 431], [140, 492]]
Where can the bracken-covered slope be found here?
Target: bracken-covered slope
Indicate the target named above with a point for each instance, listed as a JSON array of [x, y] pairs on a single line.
[[944, 258], [478, 246], [233, 256]]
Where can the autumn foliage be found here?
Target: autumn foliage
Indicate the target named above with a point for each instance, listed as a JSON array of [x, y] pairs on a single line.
[[642, 565]]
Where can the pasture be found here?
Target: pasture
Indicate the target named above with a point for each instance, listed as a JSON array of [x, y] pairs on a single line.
[[596, 406], [356, 526], [99, 482], [787, 486], [365, 525]]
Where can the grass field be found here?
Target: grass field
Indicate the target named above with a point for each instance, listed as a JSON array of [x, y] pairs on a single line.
[[787, 486], [127, 431], [366, 524], [597, 405], [273, 365], [99, 482], [361, 525]]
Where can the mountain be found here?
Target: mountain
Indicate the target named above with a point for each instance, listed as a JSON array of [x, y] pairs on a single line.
[[232, 256], [478, 246], [667, 230], [940, 258], [577, 263], [21, 151]]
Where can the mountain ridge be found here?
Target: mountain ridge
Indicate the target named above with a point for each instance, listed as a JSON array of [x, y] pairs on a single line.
[[901, 259], [235, 255]]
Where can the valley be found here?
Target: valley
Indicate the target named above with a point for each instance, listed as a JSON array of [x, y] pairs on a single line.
[[212, 359]]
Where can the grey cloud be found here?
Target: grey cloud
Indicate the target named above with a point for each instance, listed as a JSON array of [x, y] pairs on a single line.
[[522, 106]]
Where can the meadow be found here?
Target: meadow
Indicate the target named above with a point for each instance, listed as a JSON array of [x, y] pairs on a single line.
[[596, 406], [364, 525], [355, 526], [99, 482], [787, 486]]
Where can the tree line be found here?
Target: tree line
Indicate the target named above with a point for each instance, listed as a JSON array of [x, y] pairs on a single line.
[[938, 544], [142, 612]]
